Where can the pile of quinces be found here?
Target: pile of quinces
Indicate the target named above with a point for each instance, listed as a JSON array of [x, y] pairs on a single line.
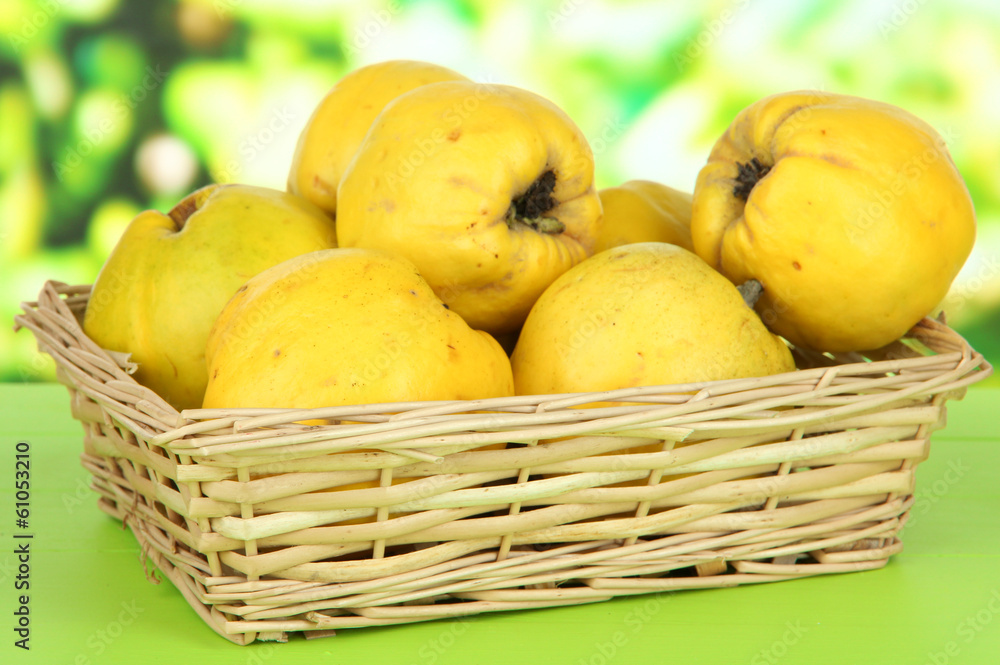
[[443, 239]]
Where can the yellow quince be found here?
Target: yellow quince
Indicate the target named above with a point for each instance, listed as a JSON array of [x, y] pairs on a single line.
[[644, 211], [346, 326], [343, 327], [170, 275], [849, 212], [642, 314], [488, 189]]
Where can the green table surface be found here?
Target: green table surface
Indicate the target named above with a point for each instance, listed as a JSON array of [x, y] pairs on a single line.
[[937, 602]]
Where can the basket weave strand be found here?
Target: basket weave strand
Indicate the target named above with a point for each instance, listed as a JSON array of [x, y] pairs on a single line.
[[407, 512]]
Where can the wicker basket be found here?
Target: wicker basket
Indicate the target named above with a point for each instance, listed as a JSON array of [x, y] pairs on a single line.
[[686, 486]]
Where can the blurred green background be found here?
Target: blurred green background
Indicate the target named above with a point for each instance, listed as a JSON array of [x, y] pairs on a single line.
[[109, 107]]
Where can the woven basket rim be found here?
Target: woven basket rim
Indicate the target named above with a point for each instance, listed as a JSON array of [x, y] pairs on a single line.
[[951, 349]]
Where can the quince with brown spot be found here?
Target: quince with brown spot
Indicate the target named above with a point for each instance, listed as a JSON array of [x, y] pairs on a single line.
[[488, 189], [849, 212]]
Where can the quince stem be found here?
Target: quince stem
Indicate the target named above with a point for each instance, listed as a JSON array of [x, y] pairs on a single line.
[[751, 291], [540, 224], [190, 204]]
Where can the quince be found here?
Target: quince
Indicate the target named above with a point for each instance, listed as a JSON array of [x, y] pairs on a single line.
[[488, 189], [170, 274], [342, 118], [644, 211], [346, 326], [343, 327], [642, 314], [848, 211]]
